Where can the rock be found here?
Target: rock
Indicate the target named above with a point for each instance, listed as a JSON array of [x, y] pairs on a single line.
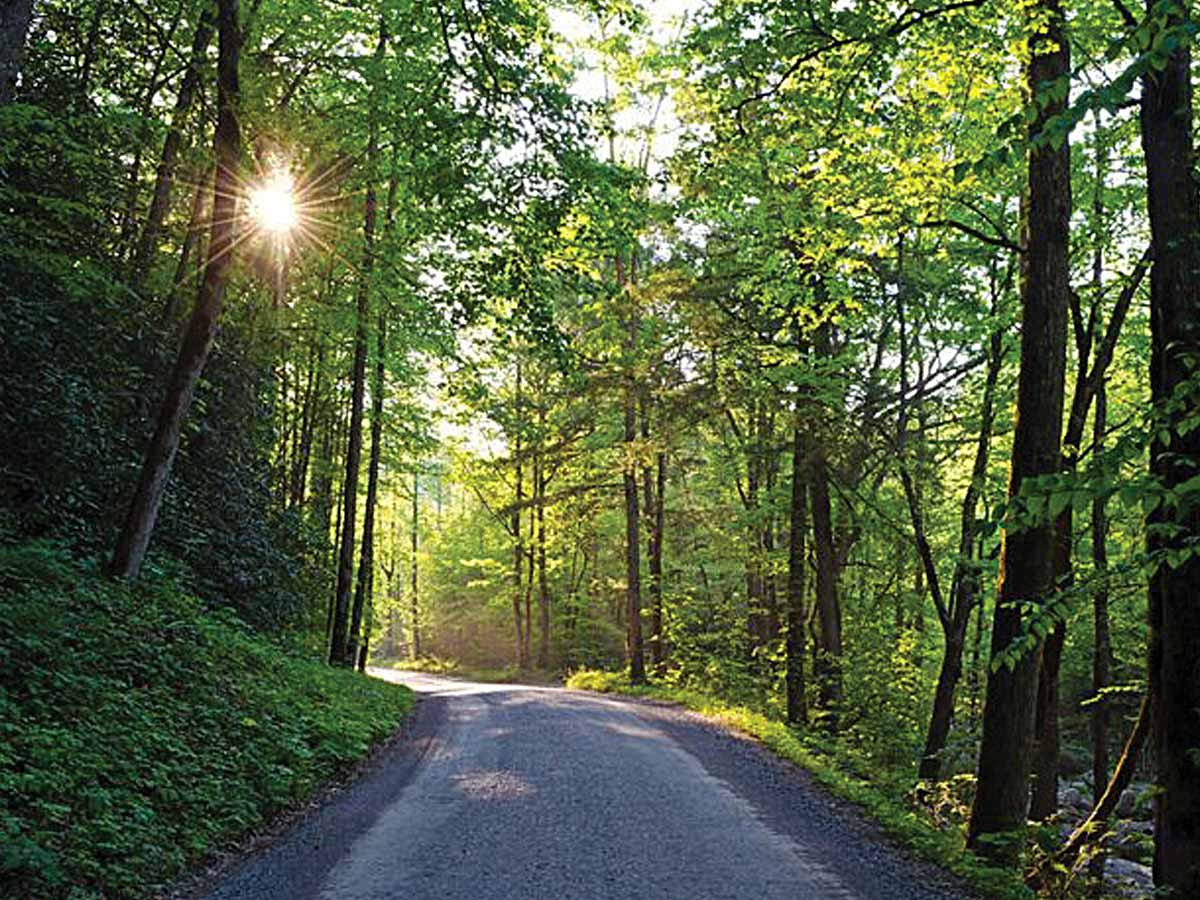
[[1123, 878], [1127, 804], [1073, 761], [1072, 798]]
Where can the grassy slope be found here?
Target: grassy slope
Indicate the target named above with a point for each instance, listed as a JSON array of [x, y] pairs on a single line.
[[944, 847], [138, 733]]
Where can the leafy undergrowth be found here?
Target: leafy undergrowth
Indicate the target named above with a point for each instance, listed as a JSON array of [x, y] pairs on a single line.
[[433, 665], [840, 774], [139, 733]]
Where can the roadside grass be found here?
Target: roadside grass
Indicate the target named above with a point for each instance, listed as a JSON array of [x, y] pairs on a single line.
[[883, 799], [452, 668], [139, 733]]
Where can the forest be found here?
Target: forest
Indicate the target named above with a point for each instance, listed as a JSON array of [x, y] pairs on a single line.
[[832, 359]]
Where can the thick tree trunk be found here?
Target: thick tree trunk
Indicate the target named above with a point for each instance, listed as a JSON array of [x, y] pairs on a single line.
[[340, 652], [1027, 557], [164, 178], [15, 16], [202, 328], [797, 699], [1174, 613]]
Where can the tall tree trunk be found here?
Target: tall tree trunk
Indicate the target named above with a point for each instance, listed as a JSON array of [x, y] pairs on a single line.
[[202, 328], [829, 612], [515, 529], [364, 585], [190, 240], [15, 16], [164, 179], [633, 565], [339, 650], [964, 584], [543, 657], [653, 484], [1101, 643], [658, 646], [797, 700], [414, 543], [1174, 677], [1027, 558]]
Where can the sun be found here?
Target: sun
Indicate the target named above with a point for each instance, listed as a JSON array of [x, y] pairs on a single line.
[[273, 204]]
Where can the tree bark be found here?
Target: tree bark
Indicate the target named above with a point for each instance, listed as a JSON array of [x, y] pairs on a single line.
[[164, 178], [414, 544], [202, 328], [1174, 614], [339, 652], [964, 583], [364, 585], [633, 576], [15, 16], [797, 699], [543, 658], [1027, 557], [515, 528], [828, 674]]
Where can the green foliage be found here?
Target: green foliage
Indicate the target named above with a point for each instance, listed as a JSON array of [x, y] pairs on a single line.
[[139, 733]]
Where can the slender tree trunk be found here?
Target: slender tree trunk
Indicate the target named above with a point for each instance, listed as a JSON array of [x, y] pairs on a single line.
[[15, 16], [633, 575], [543, 658], [164, 178], [828, 674], [415, 596], [515, 528], [1027, 558], [364, 585], [1095, 826], [202, 328], [339, 652], [658, 646], [964, 584], [797, 700], [1174, 613], [190, 240]]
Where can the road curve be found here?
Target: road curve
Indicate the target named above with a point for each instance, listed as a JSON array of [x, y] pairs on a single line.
[[516, 793]]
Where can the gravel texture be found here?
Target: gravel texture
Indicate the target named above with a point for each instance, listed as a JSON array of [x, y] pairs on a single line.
[[513, 792]]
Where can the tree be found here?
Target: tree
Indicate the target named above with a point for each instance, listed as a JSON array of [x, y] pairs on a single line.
[[15, 16], [1172, 528], [1027, 565], [135, 534]]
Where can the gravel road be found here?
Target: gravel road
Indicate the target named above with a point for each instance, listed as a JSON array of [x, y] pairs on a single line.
[[513, 792]]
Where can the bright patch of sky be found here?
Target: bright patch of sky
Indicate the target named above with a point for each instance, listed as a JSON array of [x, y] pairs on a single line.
[[652, 115]]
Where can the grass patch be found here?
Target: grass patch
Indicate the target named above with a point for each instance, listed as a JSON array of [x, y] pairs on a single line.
[[836, 772], [138, 733], [433, 665]]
